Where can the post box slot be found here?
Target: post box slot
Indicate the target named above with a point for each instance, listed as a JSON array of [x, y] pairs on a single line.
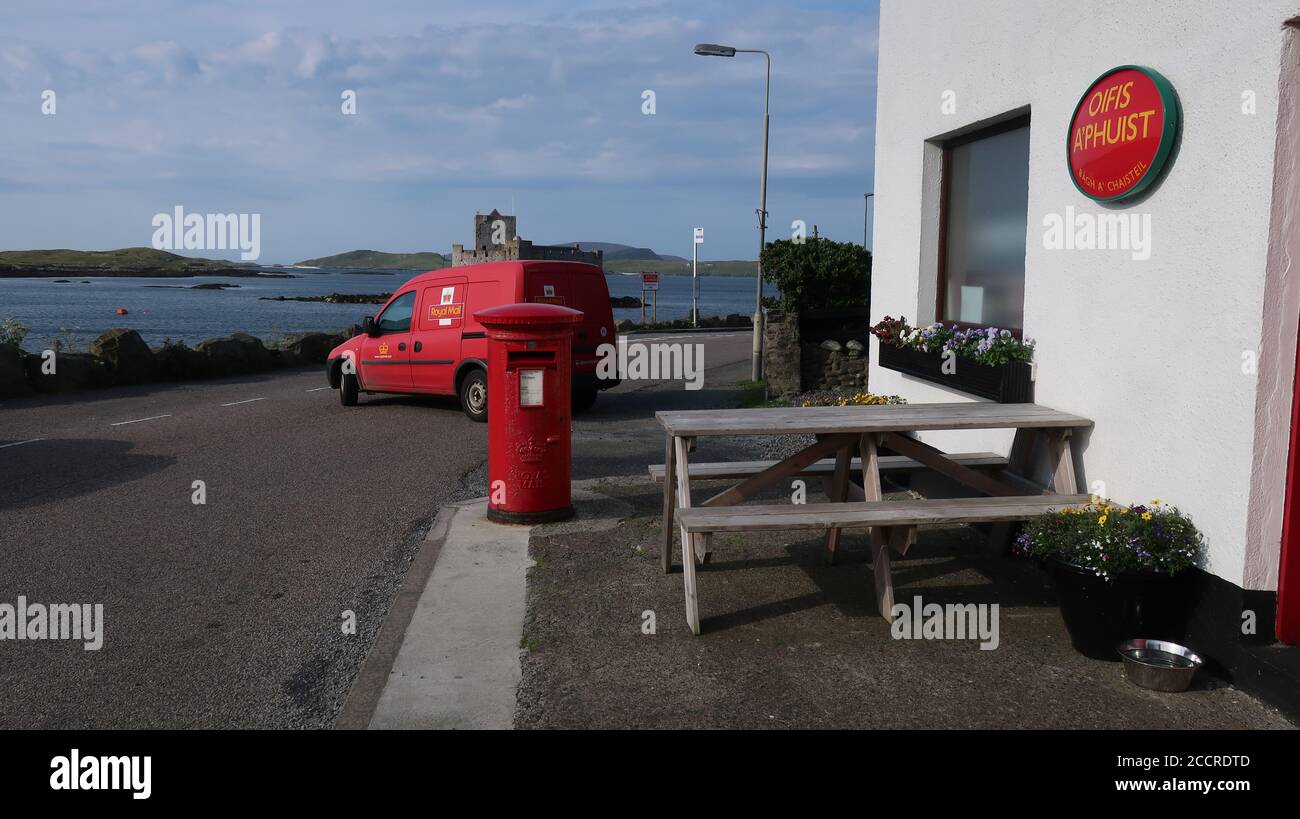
[[530, 356]]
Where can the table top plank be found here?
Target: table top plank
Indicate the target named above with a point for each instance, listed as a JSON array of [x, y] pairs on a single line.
[[872, 513], [877, 419]]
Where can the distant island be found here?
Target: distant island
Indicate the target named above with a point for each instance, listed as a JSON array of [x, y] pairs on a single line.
[[378, 260], [616, 252], [146, 261], [127, 261]]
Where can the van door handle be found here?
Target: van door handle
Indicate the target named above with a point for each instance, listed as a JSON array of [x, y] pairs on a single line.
[[401, 345], [418, 346]]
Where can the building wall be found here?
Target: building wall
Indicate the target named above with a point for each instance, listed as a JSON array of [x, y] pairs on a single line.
[[1151, 350]]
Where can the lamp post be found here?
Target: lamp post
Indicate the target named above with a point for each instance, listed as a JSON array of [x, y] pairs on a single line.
[[866, 208], [713, 50]]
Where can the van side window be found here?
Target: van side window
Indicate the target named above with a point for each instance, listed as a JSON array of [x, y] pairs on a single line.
[[397, 317]]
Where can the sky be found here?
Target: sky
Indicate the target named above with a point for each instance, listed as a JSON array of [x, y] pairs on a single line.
[[237, 107]]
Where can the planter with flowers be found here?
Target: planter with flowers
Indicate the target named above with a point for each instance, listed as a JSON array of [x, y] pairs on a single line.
[[987, 362], [1121, 572]]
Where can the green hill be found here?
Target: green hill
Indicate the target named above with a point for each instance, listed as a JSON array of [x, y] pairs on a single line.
[[127, 257], [378, 260]]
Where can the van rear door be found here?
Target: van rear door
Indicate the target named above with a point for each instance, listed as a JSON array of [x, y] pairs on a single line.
[[590, 294], [582, 287]]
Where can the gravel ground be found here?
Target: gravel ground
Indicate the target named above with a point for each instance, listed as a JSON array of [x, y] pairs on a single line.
[[789, 642]]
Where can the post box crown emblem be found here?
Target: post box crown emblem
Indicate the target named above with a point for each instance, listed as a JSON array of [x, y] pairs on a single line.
[[530, 452]]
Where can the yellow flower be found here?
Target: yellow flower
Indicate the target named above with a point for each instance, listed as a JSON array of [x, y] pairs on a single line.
[[1155, 501], [1146, 516], [1102, 520]]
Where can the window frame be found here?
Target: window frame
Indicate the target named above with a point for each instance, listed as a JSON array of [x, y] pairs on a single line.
[[941, 293], [379, 320]]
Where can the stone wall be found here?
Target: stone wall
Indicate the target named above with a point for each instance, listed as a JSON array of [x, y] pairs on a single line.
[[829, 365], [781, 355], [792, 364], [120, 356]]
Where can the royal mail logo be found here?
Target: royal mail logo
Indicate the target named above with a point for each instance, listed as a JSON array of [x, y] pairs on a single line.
[[530, 452], [383, 348], [443, 311]]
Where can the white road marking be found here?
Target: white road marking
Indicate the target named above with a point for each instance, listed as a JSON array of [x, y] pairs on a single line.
[[245, 401], [138, 420], [318, 389], [20, 443]]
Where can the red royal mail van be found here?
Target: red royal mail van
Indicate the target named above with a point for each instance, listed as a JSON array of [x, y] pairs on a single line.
[[425, 340]]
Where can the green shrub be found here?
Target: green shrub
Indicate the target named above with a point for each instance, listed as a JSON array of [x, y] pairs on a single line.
[[817, 273], [12, 332]]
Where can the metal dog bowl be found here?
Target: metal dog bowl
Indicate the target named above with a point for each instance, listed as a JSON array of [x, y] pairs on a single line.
[[1159, 664]]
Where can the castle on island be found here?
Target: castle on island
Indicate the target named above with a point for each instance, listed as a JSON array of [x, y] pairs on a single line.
[[497, 240]]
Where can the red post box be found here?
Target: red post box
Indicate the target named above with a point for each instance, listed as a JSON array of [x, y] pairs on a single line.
[[530, 382]]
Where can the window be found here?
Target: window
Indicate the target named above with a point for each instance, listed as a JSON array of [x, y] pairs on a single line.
[[397, 317], [984, 216]]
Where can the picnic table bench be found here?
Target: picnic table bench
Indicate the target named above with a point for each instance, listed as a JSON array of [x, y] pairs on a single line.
[[841, 432]]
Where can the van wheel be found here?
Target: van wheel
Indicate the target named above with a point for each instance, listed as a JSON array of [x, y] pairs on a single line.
[[348, 388], [583, 400], [473, 395]]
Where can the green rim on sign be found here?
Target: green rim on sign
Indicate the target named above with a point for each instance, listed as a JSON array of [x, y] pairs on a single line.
[[1168, 135]]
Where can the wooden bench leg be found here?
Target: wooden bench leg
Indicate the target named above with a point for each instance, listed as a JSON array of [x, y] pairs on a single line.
[[880, 536], [901, 538], [1019, 460], [1063, 481], [870, 484], [838, 493], [670, 496], [688, 579], [699, 542]]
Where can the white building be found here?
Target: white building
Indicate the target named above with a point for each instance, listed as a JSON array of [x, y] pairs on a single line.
[[1183, 354]]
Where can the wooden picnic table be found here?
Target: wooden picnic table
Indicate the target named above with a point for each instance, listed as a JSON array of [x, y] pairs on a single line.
[[840, 432]]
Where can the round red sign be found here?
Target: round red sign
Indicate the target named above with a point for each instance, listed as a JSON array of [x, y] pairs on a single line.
[[1122, 133]]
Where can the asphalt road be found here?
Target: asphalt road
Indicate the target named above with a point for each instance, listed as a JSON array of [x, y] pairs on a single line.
[[230, 613]]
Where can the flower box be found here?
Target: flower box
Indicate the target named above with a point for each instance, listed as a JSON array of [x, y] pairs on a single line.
[[1008, 383]]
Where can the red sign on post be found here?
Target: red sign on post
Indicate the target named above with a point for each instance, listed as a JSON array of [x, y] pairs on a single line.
[[649, 281], [1122, 133]]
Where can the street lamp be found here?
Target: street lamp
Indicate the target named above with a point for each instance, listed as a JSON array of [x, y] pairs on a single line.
[[713, 50], [866, 209]]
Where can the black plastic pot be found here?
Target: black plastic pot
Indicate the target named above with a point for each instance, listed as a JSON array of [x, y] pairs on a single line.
[[1010, 383], [1100, 613]]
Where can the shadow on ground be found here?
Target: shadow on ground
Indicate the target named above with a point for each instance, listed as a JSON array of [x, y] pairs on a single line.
[[26, 481], [790, 642]]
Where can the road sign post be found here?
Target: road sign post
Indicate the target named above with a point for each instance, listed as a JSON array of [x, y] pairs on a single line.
[[650, 284], [695, 277]]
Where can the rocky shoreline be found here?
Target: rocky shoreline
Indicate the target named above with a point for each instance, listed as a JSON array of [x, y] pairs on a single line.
[[336, 298], [121, 356]]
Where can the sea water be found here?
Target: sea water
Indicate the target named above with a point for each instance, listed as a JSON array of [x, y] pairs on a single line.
[[76, 313]]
